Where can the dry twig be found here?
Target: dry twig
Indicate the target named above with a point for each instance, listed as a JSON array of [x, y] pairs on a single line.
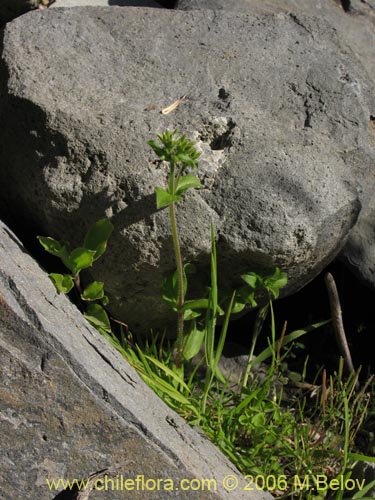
[[338, 325]]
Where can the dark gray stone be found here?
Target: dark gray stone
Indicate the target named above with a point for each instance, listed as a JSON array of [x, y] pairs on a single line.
[[70, 405], [274, 102]]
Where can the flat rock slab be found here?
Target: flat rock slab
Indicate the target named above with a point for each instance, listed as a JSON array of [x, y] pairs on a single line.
[[274, 103], [70, 405]]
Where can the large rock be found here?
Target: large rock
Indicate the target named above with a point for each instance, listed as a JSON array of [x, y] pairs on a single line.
[[274, 102], [70, 405], [354, 22]]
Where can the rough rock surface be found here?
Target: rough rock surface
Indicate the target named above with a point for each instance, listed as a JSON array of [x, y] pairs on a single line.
[[275, 102], [109, 3], [355, 27], [70, 405], [359, 251], [10, 9]]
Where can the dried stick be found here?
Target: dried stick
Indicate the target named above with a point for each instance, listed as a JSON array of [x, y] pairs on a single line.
[[338, 325]]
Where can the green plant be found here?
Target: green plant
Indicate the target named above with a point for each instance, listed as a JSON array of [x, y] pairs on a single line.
[[180, 154], [264, 431], [266, 435], [253, 426], [78, 259]]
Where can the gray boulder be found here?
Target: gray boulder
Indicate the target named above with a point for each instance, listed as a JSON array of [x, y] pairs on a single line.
[[70, 405], [275, 104], [355, 26]]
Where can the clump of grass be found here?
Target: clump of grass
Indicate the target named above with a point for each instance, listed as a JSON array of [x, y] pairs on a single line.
[[290, 442]]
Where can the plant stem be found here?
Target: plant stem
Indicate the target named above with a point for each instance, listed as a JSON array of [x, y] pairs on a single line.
[[77, 283], [180, 280], [261, 316], [78, 292]]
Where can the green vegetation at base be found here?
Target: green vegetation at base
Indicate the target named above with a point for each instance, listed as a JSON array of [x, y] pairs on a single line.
[[270, 425]]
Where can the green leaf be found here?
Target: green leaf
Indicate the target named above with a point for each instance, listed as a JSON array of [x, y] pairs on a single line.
[[276, 281], [251, 279], [211, 312], [238, 306], [97, 237], [164, 198], [162, 387], [63, 282], [243, 298], [267, 352], [361, 458], [80, 258], [223, 333], [97, 317], [105, 300], [169, 289], [361, 493], [52, 246], [193, 343], [195, 304], [186, 269], [158, 150], [94, 291], [170, 373], [188, 159], [187, 182], [189, 314], [259, 420], [175, 149]]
